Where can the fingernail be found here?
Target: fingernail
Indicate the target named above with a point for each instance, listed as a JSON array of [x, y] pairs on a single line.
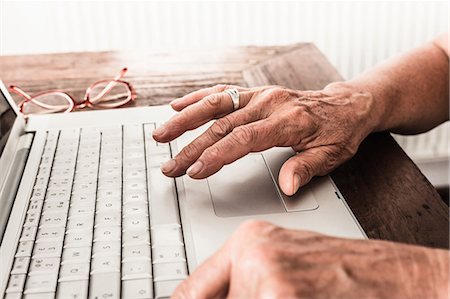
[[176, 101], [295, 183], [195, 168], [159, 131], [169, 165]]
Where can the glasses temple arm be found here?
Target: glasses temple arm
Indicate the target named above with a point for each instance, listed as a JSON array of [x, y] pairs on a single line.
[[20, 92]]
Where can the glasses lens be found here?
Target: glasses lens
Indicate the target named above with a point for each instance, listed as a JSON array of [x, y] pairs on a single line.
[[48, 103], [109, 94]]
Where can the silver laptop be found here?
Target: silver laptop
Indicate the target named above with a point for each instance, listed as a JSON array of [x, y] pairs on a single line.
[[85, 211]]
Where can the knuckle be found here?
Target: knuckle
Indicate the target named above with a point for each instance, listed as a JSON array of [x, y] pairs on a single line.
[[189, 152], [251, 226], [277, 93], [244, 135], [212, 154], [220, 128], [212, 101], [220, 87], [259, 254]]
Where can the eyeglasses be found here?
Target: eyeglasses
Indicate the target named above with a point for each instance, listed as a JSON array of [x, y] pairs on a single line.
[[101, 94]]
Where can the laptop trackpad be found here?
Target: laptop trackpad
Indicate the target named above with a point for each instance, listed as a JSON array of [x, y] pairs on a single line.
[[245, 187]]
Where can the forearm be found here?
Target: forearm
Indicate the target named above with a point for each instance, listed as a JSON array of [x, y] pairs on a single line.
[[439, 264], [410, 93]]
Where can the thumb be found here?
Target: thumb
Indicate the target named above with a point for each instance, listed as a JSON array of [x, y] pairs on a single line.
[[210, 280], [298, 170]]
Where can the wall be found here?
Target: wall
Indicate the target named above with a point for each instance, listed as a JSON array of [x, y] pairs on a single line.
[[354, 35]]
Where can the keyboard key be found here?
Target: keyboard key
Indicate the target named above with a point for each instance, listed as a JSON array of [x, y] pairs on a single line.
[[55, 206], [41, 283], [136, 237], [105, 264], [81, 210], [166, 235], [136, 269], [76, 255], [106, 233], [135, 223], [132, 174], [53, 220], [32, 219], [140, 196], [72, 289], [76, 239], [85, 222], [162, 199], [165, 289], [48, 234], [47, 295], [13, 295], [108, 219], [79, 199], [137, 288], [35, 206], [170, 271], [110, 205], [47, 249], [155, 161], [16, 283], [134, 164], [28, 233], [44, 265], [135, 209], [20, 265], [136, 252], [104, 286], [105, 194], [164, 254], [25, 248], [106, 248], [70, 272]]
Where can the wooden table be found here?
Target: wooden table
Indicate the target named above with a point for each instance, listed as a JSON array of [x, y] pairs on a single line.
[[386, 191]]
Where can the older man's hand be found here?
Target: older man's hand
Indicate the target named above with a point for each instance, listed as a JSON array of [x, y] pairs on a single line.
[[265, 261], [324, 127]]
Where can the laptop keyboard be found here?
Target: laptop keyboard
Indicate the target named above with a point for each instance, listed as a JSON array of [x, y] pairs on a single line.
[[102, 221]]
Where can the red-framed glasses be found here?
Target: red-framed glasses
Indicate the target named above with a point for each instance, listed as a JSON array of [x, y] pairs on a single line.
[[101, 94]]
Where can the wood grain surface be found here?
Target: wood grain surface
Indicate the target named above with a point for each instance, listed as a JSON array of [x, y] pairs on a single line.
[[386, 191]]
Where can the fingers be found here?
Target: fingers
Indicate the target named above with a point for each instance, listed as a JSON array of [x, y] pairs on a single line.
[[298, 170], [189, 99], [253, 137], [210, 280], [218, 130], [210, 107], [213, 278]]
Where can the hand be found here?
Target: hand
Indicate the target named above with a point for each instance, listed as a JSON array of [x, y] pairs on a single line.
[[324, 127], [265, 261]]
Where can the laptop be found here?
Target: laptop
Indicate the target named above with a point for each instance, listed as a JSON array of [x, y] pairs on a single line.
[[85, 211]]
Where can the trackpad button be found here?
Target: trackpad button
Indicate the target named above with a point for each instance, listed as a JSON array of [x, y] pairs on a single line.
[[245, 187]]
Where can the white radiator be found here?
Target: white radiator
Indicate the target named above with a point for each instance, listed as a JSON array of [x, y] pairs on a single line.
[[353, 35]]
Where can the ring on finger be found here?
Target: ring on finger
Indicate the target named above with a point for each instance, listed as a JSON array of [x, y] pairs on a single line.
[[234, 95]]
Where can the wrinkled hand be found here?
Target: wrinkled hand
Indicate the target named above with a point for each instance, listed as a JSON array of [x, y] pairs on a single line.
[[265, 261], [324, 127]]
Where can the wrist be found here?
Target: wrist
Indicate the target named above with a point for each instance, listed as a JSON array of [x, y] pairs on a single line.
[[366, 107]]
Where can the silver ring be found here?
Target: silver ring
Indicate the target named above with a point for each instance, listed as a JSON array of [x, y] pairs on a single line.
[[234, 94]]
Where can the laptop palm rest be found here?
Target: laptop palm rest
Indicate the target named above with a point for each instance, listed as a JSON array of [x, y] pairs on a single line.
[[246, 187]]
